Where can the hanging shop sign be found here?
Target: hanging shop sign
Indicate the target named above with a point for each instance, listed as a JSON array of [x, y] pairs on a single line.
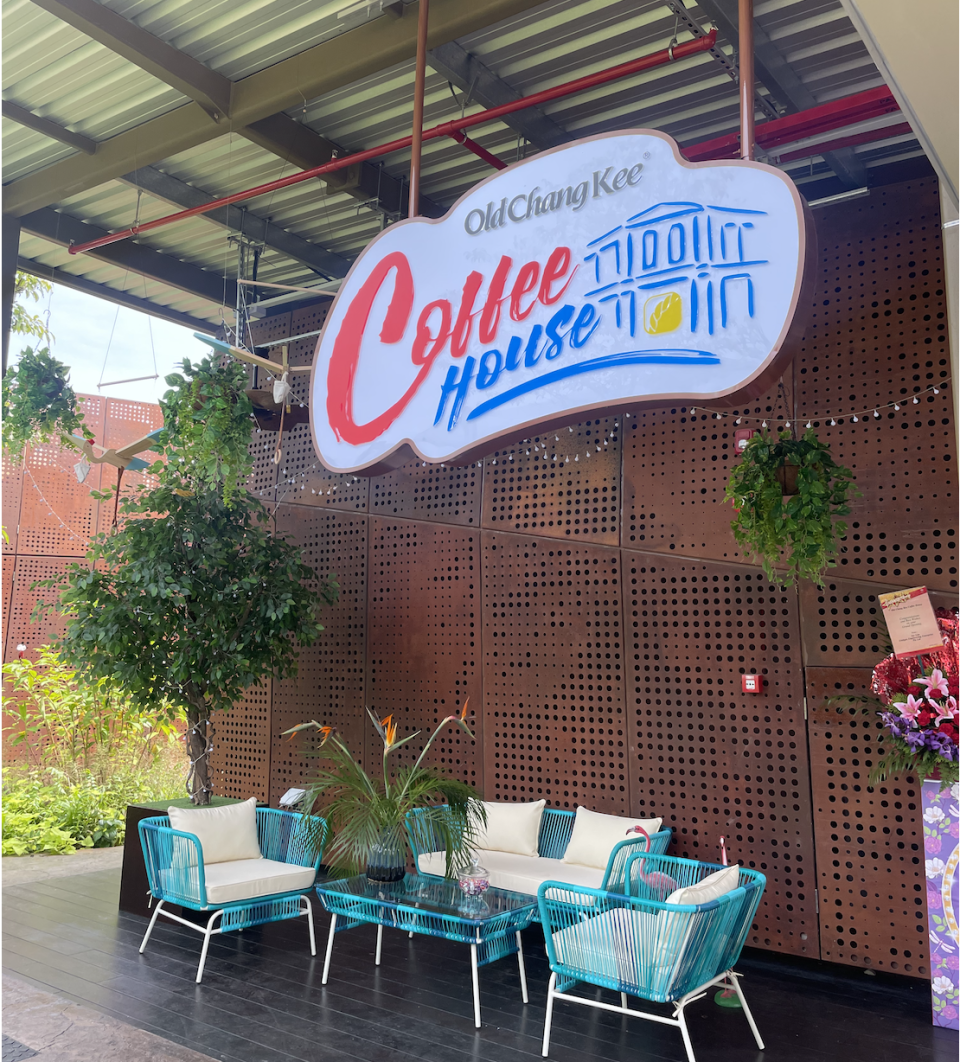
[[599, 276]]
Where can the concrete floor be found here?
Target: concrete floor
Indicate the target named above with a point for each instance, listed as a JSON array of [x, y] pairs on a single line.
[[55, 1028]]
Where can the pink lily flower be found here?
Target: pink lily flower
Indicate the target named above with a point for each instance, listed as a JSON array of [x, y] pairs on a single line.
[[936, 683], [947, 711], [911, 709]]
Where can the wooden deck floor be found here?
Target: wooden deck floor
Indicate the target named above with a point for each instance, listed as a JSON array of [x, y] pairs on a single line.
[[261, 999]]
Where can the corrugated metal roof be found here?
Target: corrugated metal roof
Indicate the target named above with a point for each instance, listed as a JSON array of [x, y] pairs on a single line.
[[86, 88]]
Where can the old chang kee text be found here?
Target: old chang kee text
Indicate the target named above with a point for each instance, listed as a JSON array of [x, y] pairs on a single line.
[[515, 290]]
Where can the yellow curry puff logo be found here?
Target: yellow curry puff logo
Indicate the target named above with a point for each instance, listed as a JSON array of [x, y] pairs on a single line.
[[662, 313]]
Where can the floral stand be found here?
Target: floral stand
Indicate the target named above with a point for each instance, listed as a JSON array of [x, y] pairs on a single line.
[[941, 827]]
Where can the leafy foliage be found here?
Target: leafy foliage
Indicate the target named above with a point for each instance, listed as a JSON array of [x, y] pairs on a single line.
[[43, 811], [23, 323], [39, 405], [363, 811], [207, 421], [192, 607], [799, 532], [81, 729]]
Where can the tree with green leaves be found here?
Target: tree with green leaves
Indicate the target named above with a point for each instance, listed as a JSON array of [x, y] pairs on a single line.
[[191, 598], [22, 322]]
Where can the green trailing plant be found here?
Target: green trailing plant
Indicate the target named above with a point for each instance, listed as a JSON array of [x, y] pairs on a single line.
[[793, 535], [191, 601], [365, 811], [22, 322], [39, 405], [207, 418]]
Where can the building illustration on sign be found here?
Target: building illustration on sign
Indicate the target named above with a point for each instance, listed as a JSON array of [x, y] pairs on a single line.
[[599, 274]]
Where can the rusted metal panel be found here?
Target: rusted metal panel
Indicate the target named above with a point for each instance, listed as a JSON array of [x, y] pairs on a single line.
[[713, 760], [423, 639], [560, 484], [869, 840], [554, 716], [331, 682]]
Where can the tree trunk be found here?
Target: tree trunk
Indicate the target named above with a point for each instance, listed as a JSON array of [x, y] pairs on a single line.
[[199, 743]]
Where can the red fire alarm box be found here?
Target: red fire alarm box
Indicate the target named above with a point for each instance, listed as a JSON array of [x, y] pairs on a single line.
[[741, 437], [751, 683]]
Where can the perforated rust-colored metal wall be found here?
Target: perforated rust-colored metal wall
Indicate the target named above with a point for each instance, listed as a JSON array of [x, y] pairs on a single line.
[[869, 841]]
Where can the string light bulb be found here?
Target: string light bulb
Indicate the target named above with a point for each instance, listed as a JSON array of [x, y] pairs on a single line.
[[916, 401], [833, 423], [876, 415], [738, 420], [856, 420], [809, 424]]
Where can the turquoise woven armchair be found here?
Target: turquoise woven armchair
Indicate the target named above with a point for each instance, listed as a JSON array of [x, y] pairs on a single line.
[[240, 893], [639, 945]]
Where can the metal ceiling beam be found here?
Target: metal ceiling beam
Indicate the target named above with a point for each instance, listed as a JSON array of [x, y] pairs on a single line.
[[179, 193], [26, 118], [377, 45], [99, 22], [121, 298], [62, 230], [782, 83], [482, 85]]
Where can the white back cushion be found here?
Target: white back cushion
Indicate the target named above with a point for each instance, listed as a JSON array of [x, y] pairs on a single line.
[[595, 836], [224, 833], [715, 885], [511, 827]]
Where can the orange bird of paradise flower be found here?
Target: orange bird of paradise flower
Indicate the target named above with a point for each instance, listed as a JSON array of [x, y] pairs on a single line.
[[389, 731]]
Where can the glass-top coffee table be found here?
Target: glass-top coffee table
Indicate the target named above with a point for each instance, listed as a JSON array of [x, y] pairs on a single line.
[[490, 924]]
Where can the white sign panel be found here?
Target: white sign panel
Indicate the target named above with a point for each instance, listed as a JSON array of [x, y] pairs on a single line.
[[599, 275]]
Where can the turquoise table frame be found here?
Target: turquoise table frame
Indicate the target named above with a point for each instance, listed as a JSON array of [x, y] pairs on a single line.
[[433, 907]]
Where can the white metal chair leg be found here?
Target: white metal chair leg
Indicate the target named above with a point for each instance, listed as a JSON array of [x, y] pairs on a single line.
[[735, 980], [623, 1000], [476, 985], [206, 943], [685, 1033], [379, 944], [326, 961], [549, 1015], [153, 922], [313, 935], [523, 971]]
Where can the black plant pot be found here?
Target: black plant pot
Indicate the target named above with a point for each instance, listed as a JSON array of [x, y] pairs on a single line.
[[386, 860]]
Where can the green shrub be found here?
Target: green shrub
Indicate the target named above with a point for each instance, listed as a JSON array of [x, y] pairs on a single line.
[[88, 753]]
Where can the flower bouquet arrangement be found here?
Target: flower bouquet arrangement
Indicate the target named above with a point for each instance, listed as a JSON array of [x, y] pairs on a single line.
[[918, 707], [368, 814]]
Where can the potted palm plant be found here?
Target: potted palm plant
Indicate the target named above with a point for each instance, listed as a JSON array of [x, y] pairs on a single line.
[[369, 814]]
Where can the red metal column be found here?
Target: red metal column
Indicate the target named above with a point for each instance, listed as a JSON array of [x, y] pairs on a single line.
[[423, 17]]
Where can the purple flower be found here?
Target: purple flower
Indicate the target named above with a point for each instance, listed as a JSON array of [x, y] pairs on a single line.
[[931, 843], [934, 901], [953, 962], [949, 1011]]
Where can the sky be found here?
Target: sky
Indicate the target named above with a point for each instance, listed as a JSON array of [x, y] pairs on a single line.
[[82, 326]]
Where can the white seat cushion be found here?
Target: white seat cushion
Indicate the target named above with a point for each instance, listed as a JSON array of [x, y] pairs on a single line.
[[511, 827], [519, 873], [595, 836], [226, 833], [245, 879], [715, 885]]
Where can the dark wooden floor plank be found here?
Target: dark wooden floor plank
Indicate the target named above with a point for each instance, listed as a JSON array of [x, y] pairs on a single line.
[[261, 1000]]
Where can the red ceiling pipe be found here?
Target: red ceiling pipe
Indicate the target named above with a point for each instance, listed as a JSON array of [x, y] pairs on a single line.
[[867, 137], [481, 152], [635, 66], [833, 115]]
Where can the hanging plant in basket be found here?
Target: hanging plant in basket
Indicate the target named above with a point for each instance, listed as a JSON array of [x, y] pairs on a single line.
[[788, 494], [39, 405]]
